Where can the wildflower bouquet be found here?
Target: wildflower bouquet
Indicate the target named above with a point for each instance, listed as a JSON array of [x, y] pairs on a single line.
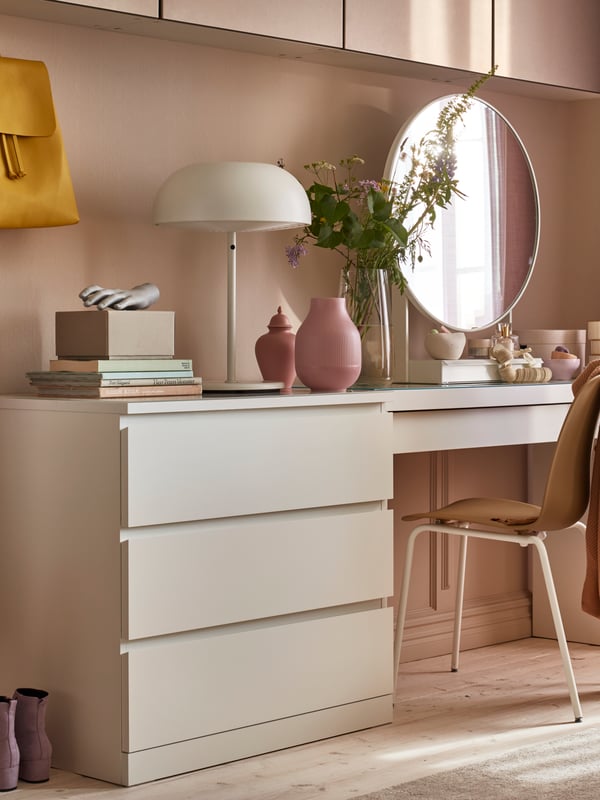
[[379, 224]]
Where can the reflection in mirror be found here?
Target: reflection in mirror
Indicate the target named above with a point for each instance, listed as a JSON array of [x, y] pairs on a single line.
[[483, 246]]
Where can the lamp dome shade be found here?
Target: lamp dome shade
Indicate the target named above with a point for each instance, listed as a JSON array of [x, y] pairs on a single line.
[[232, 196]]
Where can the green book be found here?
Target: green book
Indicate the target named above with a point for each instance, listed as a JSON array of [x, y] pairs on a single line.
[[120, 364]]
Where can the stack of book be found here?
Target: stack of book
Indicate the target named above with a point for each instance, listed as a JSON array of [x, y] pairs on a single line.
[[116, 378], [115, 354]]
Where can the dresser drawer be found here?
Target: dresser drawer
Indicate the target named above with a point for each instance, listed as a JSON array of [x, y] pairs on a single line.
[[202, 575], [194, 466], [186, 688]]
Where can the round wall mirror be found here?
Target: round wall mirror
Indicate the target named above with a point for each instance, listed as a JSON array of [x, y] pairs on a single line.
[[483, 247]]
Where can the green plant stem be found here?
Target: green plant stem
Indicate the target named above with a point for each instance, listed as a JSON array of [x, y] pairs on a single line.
[[364, 297]]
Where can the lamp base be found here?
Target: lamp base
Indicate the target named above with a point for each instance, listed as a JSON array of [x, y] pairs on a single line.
[[241, 387]]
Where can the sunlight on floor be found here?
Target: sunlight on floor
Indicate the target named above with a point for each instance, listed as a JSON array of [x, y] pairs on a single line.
[[451, 751], [431, 750]]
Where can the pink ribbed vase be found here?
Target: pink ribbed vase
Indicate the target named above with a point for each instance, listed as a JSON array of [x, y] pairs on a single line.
[[328, 349]]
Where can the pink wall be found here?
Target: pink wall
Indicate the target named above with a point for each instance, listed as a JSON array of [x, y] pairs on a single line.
[[133, 110]]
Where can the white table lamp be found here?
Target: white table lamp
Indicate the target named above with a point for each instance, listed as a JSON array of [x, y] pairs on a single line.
[[232, 197]]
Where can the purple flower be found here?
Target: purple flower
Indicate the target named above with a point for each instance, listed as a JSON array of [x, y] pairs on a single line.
[[369, 184], [444, 166], [293, 253]]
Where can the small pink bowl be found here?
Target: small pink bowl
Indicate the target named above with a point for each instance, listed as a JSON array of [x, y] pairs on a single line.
[[563, 369]]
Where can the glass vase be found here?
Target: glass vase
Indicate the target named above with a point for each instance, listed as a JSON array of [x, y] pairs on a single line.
[[368, 300]]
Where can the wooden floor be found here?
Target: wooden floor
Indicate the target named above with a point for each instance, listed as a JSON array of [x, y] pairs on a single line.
[[503, 697]]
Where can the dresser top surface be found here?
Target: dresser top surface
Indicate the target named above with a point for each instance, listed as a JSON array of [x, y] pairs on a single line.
[[399, 398]]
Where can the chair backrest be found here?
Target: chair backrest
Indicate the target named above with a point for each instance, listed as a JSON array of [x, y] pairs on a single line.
[[567, 490]]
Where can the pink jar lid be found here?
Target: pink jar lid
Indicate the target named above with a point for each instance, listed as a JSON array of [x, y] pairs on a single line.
[[279, 320]]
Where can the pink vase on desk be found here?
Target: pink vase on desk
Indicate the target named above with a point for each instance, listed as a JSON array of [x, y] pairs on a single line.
[[275, 351], [328, 350]]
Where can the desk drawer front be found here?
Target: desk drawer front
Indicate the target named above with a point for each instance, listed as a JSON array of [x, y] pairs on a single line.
[[221, 464], [202, 576], [185, 689], [460, 428]]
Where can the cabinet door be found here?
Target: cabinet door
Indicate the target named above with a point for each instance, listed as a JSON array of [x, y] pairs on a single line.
[[145, 8], [449, 33], [549, 41], [315, 21]]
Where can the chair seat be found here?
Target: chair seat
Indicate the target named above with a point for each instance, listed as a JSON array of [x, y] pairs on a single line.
[[511, 516]]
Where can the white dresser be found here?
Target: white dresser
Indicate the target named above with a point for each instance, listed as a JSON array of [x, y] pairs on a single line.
[[199, 580]]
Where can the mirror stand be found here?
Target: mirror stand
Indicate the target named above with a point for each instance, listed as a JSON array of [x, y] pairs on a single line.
[[401, 325]]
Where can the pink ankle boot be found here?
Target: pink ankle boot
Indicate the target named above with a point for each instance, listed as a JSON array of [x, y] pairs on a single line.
[[30, 732], [9, 751]]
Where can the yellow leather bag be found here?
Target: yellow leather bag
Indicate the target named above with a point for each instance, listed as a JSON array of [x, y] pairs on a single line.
[[35, 182]]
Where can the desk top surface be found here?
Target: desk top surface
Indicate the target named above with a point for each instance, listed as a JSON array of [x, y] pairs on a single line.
[[399, 398]]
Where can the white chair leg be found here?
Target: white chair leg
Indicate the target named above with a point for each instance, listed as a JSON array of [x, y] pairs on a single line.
[[460, 597], [559, 628], [403, 600]]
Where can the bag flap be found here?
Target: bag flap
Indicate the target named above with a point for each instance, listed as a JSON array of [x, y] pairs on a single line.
[[26, 107]]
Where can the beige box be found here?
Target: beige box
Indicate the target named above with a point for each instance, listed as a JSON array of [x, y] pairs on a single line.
[[544, 341], [115, 334]]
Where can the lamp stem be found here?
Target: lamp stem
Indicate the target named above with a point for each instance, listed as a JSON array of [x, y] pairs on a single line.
[[231, 305]]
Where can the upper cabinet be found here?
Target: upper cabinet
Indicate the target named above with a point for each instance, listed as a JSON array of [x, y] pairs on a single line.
[[544, 42], [314, 21], [449, 33], [145, 8], [549, 41]]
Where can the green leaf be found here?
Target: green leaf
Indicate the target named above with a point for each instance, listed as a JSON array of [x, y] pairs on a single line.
[[329, 239], [398, 231], [327, 208], [380, 207], [341, 211]]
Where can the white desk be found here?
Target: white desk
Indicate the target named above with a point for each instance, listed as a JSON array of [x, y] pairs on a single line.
[[200, 580]]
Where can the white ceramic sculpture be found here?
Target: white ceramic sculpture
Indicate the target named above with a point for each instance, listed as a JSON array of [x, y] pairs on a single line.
[[141, 296]]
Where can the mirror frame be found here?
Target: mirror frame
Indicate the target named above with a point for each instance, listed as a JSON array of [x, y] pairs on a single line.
[[393, 159]]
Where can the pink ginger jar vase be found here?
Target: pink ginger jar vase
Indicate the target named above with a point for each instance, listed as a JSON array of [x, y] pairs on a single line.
[[328, 349], [275, 351]]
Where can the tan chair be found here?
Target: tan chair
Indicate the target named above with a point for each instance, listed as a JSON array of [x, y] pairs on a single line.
[[565, 500]]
